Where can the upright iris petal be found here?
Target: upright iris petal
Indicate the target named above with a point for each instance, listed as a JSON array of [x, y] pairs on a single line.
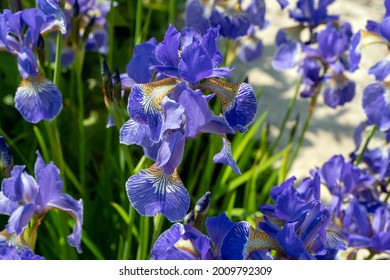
[[145, 104], [151, 191], [37, 98], [239, 103]]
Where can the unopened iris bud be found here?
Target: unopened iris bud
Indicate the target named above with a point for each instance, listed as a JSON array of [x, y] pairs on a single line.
[[88, 28], [203, 204], [76, 9], [189, 218], [117, 85], [107, 82], [6, 160]]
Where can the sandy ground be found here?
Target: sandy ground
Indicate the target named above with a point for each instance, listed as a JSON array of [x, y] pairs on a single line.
[[331, 130]]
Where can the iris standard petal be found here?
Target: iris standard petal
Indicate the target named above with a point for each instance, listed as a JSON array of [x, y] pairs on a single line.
[[145, 106], [20, 187], [37, 98], [239, 103], [217, 228], [50, 185], [167, 51], [151, 191], [225, 156], [195, 64]]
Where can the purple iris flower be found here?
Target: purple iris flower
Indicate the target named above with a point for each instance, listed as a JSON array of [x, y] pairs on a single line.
[[37, 98], [37, 196], [56, 19], [363, 232], [237, 20], [376, 104], [312, 12], [323, 65], [189, 55], [375, 33], [11, 248], [184, 242]]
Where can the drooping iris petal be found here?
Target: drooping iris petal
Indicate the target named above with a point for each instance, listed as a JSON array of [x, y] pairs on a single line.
[[151, 191], [37, 98], [339, 93], [7, 206], [56, 19], [74, 208], [381, 70], [143, 58], [225, 156], [376, 104], [239, 103], [135, 133], [145, 106], [242, 241], [250, 49], [287, 56]]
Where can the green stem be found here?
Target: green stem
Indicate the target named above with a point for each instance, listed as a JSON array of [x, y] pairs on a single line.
[[138, 24], [312, 106], [171, 11], [290, 108], [158, 221], [144, 239], [79, 61], [370, 135], [129, 237]]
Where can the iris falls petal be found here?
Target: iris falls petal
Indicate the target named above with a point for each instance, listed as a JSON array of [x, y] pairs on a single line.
[[37, 98], [225, 156], [152, 191], [239, 103], [145, 104]]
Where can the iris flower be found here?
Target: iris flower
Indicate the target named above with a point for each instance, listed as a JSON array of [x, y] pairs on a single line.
[[36, 98], [34, 197]]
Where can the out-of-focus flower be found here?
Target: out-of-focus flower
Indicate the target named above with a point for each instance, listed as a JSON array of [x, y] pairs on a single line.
[[296, 227], [184, 242], [321, 67], [240, 21], [37, 98], [376, 100], [375, 33], [13, 248], [37, 196]]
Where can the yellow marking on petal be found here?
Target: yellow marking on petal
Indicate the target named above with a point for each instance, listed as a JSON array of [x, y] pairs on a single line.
[[369, 38], [259, 240], [33, 81], [186, 245], [156, 91], [164, 183], [225, 91]]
